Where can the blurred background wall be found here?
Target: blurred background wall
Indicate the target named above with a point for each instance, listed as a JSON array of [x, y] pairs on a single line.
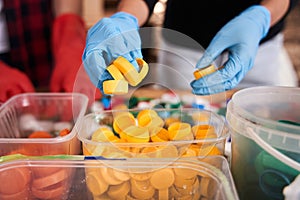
[[292, 37]]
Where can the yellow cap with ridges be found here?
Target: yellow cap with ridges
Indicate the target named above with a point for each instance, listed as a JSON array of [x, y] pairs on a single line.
[[142, 189], [103, 134], [144, 68], [115, 72], [115, 87], [180, 131], [128, 70], [123, 121], [199, 73], [95, 182], [119, 191], [122, 69], [136, 134]]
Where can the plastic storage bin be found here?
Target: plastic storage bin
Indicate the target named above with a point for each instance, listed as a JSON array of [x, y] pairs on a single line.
[[157, 179], [26, 113], [181, 146], [265, 140]]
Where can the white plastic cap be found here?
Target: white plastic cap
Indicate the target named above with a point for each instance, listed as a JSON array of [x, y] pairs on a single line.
[[292, 191]]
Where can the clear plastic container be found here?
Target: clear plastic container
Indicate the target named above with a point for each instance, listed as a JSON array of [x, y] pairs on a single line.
[[185, 146], [265, 140], [159, 179], [51, 112]]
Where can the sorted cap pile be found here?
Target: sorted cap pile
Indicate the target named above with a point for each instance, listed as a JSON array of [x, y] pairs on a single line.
[[162, 184], [127, 132], [124, 73]]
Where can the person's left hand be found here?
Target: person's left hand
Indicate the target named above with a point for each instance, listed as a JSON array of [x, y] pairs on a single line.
[[241, 37]]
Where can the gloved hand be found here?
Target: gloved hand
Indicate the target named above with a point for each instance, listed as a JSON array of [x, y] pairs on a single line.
[[12, 82], [107, 40], [241, 37]]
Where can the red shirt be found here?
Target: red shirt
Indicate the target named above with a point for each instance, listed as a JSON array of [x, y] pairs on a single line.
[[29, 28]]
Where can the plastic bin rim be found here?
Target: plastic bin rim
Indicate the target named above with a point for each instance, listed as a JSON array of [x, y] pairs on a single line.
[[45, 94], [158, 109], [260, 90], [48, 141], [71, 135], [218, 174], [57, 160]]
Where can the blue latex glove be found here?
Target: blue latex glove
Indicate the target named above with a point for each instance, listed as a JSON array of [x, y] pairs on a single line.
[[107, 40], [241, 37]]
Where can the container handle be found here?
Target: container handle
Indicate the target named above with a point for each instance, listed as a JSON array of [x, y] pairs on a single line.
[[277, 154]]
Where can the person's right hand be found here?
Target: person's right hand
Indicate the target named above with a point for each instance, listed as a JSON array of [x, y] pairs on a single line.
[[107, 40], [12, 82], [240, 37]]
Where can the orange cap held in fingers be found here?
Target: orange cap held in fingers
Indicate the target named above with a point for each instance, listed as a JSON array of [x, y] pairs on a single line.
[[199, 73]]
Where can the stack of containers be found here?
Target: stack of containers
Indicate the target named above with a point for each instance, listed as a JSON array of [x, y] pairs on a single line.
[[166, 136], [131, 179], [48, 114], [188, 164]]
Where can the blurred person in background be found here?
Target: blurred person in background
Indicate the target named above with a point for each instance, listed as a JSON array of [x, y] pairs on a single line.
[[41, 44], [245, 37]]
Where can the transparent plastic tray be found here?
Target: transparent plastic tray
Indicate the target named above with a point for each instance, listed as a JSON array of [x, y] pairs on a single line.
[[161, 179], [51, 112], [202, 147]]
